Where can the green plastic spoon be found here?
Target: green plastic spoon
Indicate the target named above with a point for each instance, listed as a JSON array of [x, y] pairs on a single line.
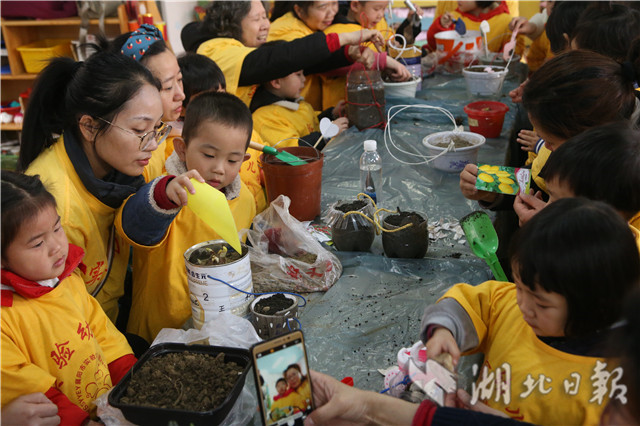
[[483, 240]]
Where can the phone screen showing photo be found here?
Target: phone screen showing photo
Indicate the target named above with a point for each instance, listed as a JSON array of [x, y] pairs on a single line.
[[285, 387]]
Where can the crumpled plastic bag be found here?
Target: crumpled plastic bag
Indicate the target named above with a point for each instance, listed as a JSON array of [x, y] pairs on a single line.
[[285, 256], [224, 329]]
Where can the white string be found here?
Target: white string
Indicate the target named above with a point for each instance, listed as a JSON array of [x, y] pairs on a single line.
[[427, 158], [404, 47]]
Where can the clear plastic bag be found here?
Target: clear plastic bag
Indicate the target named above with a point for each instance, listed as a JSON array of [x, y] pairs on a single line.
[[285, 256], [353, 232]]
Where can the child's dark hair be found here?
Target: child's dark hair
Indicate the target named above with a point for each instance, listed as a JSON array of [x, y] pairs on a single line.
[[282, 7], [23, 197], [199, 74], [608, 29], [563, 20], [578, 90], [584, 251], [281, 380], [218, 107], [625, 347], [484, 4], [65, 90], [603, 164]]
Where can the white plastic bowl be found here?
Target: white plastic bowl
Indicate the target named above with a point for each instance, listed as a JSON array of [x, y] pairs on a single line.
[[483, 83], [402, 89], [453, 161]]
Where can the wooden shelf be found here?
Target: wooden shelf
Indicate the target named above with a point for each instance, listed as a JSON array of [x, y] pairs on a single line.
[[11, 127], [70, 22], [12, 77]]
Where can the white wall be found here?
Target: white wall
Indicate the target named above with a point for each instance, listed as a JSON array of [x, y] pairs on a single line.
[[176, 15]]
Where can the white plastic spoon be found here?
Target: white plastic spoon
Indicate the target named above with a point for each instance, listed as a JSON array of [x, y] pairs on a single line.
[[485, 28]]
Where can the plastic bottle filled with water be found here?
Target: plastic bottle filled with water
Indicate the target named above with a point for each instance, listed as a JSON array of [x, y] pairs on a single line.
[[371, 171]]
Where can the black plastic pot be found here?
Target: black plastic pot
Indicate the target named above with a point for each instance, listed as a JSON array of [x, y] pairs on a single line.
[[409, 243], [353, 233]]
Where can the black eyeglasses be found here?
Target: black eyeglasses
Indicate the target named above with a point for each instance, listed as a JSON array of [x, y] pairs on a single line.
[[159, 134]]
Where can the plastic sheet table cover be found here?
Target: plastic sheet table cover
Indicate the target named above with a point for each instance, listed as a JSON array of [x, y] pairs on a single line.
[[375, 308]]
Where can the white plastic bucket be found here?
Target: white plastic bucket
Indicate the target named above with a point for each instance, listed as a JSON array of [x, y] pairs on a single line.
[[453, 161], [481, 83], [402, 89], [210, 297]]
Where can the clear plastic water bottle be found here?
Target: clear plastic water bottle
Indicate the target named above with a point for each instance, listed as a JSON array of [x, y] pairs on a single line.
[[371, 171]]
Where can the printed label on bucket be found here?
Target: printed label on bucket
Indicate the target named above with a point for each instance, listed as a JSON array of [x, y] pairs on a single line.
[[503, 180], [473, 122]]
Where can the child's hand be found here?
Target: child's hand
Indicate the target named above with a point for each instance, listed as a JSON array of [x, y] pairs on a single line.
[[365, 56], [528, 205], [176, 191], [528, 139], [523, 25], [446, 20], [516, 94], [468, 178], [342, 123], [398, 71], [338, 110], [442, 341]]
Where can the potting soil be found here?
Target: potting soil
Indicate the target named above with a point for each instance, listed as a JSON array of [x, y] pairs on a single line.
[[356, 205], [214, 255], [272, 304], [184, 380], [458, 142]]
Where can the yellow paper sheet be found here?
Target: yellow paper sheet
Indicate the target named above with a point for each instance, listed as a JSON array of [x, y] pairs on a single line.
[[212, 207]]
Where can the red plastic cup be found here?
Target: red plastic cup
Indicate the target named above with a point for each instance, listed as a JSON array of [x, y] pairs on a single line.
[[486, 117]]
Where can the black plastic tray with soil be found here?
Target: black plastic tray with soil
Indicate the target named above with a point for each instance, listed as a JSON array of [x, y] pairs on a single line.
[[203, 388], [409, 243], [353, 233]]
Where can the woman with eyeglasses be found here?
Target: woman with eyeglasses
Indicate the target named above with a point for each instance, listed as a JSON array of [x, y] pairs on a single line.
[[147, 47], [89, 132]]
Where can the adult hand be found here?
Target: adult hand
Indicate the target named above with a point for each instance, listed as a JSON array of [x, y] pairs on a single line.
[[342, 123], [363, 55], [516, 94], [442, 341], [462, 399], [398, 72], [336, 403], [528, 139], [446, 19], [468, 178], [178, 187], [339, 404], [362, 36], [528, 205], [31, 409]]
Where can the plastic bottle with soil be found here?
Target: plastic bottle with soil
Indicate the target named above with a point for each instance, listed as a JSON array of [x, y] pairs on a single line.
[[371, 171]]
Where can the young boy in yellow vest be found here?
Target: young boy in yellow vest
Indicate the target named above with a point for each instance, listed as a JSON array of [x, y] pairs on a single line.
[[281, 117], [215, 138]]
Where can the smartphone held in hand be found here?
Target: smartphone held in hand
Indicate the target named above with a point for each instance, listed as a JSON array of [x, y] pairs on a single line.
[[282, 379]]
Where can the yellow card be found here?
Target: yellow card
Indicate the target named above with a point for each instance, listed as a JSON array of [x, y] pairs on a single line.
[[212, 207]]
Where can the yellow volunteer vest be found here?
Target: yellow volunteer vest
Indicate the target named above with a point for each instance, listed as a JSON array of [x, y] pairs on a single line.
[[499, 34], [87, 223], [539, 52], [537, 165], [62, 339], [160, 290], [229, 54], [275, 123], [251, 174], [288, 27]]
